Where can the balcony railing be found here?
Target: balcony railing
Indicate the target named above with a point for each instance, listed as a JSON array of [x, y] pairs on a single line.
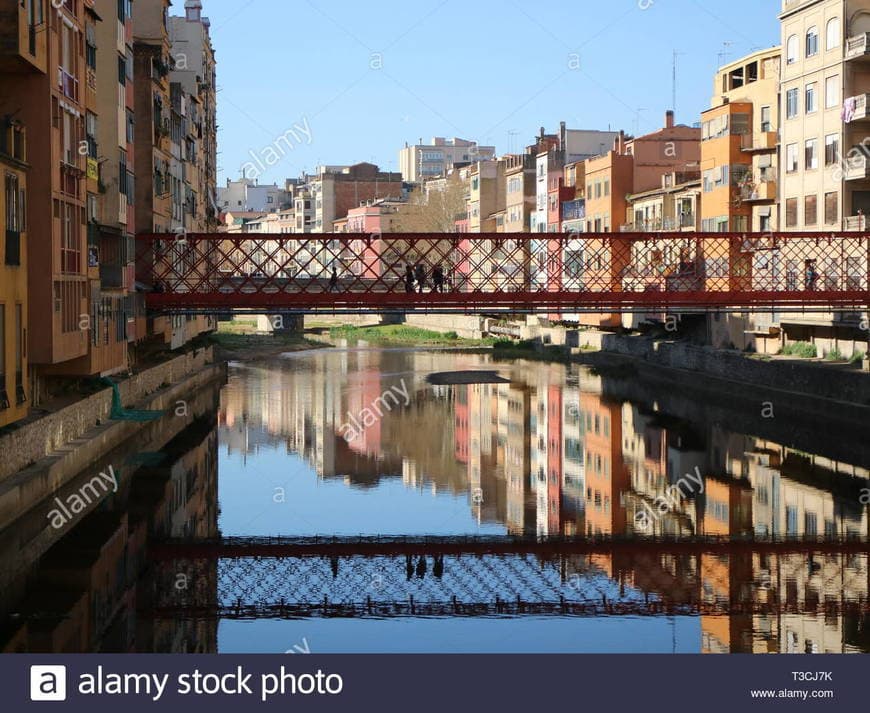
[[763, 141], [763, 191], [858, 47], [856, 223], [68, 84], [687, 220], [859, 108], [857, 168]]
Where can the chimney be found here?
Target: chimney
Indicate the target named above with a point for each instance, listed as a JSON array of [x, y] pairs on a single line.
[[619, 144], [563, 135], [669, 119], [193, 10]]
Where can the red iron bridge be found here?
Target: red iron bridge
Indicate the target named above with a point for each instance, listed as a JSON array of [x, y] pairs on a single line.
[[505, 273]]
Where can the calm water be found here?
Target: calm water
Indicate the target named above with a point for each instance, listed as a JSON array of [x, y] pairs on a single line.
[[358, 443]]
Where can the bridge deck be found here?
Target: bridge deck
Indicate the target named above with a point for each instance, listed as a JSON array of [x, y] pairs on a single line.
[[505, 273]]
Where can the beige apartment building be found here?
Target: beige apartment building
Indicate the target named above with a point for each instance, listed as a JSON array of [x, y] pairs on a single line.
[[520, 186], [825, 172]]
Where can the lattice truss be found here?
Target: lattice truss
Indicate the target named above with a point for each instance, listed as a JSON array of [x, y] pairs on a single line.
[[519, 272], [472, 585]]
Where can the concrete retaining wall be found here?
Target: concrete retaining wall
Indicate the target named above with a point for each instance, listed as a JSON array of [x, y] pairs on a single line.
[[814, 379], [34, 441], [465, 327]]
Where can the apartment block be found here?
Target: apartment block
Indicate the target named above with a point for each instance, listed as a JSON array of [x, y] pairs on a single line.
[[436, 159], [825, 171], [740, 174], [520, 186], [248, 195], [14, 382], [194, 69], [45, 87], [337, 189], [174, 141]]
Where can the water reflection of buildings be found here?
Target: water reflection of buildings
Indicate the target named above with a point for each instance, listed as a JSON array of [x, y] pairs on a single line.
[[551, 452], [91, 589]]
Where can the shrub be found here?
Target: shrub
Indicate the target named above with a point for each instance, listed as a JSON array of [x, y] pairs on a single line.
[[834, 355], [857, 358], [804, 350]]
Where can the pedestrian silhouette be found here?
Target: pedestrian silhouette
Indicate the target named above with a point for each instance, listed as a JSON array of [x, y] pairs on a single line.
[[333, 280], [409, 279], [420, 274], [438, 279], [333, 565], [421, 568], [409, 567], [438, 566]]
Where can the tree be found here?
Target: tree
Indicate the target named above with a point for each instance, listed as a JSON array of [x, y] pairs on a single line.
[[435, 207]]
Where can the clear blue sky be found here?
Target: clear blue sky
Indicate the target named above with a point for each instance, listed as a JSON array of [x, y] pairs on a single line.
[[478, 69]]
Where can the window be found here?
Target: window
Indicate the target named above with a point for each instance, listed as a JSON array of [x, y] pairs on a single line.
[[832, 149], [122, 172], [4, 399], [832, 92], [715, 178], [811, 526], [832, 34], [811, 104], [791, 158], [791, 103], [20, 396], [831, 208], [811, 155], [791, 208], [812, 41], [810, 211], [791, 521], [765, 119], [14, 198], [791, 51]]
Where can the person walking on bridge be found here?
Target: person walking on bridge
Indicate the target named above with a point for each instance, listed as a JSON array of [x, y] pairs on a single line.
[[420, 275]]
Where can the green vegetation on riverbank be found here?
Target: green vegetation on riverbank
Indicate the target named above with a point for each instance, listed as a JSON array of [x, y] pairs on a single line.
[[235, 341], [803, 350], [403, 334]]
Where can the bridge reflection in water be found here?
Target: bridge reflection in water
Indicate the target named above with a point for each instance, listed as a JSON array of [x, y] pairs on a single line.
[[446, 577]]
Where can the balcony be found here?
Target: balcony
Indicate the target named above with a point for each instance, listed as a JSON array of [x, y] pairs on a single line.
[[764, 141], [68, 84], [858, 47], [857, 223], [857, 168], [687, 220], [765, 191], [859, 109]]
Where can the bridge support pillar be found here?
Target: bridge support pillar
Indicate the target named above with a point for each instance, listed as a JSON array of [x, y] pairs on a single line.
[[281, 323]]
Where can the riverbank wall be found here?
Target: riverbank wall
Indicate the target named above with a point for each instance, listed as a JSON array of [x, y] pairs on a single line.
[[41, 457]]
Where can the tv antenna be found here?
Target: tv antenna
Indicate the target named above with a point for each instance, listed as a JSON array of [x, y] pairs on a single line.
[[674, 83], [723, 55]]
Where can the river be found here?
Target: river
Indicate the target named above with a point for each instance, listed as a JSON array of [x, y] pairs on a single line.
[[365, 445]]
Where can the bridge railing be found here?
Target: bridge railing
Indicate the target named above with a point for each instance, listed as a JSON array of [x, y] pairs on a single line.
[[505, 272]]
